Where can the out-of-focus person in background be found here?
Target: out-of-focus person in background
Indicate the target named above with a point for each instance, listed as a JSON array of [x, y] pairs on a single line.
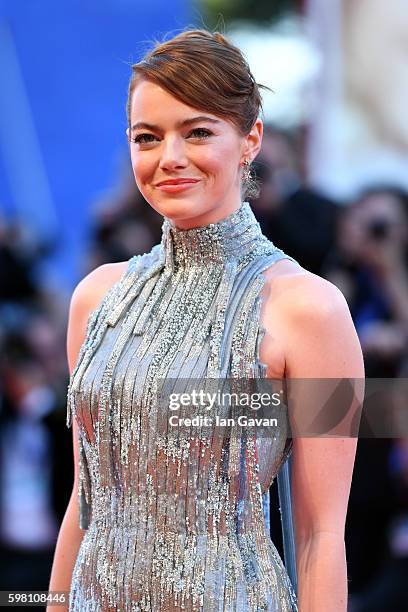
[[379, 571], [33, 444], [28, 522], [294, 216], [368, 262], [16, 282]]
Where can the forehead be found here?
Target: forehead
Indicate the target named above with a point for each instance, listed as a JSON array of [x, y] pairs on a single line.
[[153, 104], [381, 201]]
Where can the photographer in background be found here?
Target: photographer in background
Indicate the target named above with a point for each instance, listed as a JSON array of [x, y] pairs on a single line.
[[369, 264]]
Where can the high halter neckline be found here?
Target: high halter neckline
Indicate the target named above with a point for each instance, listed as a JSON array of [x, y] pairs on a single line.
[[231, 238]]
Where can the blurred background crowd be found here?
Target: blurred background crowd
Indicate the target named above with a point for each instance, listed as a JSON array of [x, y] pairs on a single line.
[[334, 195]]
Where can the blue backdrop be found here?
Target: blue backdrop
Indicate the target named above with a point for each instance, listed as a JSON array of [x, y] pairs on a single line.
[[64, 70]]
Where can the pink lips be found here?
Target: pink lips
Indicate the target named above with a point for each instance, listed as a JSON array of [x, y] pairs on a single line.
[[175, 185]]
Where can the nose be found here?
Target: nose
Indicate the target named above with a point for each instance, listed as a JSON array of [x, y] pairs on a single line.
[[173, 155]]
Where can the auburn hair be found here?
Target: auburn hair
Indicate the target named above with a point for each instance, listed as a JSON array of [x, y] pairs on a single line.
[[206, 71]]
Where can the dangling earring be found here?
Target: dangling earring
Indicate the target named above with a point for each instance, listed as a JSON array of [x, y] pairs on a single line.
[[246, 174]]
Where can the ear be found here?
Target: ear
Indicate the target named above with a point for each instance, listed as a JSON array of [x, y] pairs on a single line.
[[253, 141]]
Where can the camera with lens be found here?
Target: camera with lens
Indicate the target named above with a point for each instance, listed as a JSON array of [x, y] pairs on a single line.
[[379, 228]]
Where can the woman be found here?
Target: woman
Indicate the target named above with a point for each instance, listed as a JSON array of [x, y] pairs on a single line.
[[175, 523]]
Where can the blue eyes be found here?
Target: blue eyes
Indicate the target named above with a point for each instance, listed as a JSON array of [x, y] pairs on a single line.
[[199, 133]]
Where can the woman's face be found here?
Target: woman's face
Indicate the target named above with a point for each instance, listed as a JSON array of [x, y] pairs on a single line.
[[200, 155], [377, 212]]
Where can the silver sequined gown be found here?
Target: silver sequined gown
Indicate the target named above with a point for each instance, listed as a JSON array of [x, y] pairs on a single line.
[[175, 524]]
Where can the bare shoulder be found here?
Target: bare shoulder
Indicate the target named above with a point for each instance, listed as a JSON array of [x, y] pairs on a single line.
[[92, 288], [309, 328], [86, 297], [292, 291], [303, 315]]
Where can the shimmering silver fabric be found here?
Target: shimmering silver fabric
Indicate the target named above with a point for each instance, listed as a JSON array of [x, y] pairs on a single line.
[[175, 525]]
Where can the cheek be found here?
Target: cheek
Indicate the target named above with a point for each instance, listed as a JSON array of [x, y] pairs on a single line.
[[219, 162], [142, 167]]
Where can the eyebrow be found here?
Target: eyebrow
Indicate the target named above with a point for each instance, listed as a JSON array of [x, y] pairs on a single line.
[[150, 126]]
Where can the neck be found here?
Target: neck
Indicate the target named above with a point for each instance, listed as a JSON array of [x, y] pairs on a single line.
[[213, 216], [235, 237]]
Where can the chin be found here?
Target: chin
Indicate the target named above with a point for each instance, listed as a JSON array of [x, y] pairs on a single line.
[[179, 208]]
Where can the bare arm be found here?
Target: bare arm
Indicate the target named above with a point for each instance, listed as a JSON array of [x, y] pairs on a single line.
[[321, 343], [85, 298], [69, 538]]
